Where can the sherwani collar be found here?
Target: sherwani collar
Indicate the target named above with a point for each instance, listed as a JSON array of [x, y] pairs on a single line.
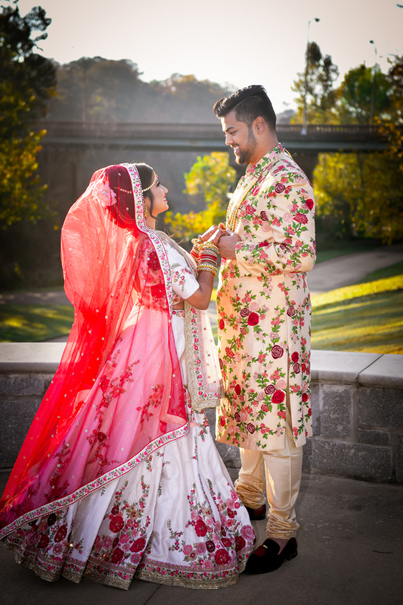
[[255, 170]]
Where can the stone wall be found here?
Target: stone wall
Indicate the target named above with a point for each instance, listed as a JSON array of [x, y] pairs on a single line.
[[357, 402]]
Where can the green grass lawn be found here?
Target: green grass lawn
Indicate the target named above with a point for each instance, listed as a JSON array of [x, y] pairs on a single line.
[[34, 323], [365, 317]]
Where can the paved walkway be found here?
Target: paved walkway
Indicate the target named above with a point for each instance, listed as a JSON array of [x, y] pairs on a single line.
[[347, 270], [350, 553]]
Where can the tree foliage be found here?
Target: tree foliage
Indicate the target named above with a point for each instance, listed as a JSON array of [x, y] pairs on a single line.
[[358, 194], [321, 96], [26, 83], [210, 178], [97, 89]]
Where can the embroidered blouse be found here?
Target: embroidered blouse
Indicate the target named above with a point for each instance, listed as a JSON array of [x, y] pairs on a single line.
[[184, 284]]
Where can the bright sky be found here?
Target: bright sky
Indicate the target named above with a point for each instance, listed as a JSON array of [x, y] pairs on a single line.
[[239, 42]]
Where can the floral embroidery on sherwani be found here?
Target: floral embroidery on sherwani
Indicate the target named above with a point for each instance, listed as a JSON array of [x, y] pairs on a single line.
[[264, 308]]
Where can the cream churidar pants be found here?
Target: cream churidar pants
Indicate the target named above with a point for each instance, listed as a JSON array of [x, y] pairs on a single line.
[[283, 478]]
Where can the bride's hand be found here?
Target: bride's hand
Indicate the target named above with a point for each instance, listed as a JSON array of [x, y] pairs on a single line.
[[214, 233]]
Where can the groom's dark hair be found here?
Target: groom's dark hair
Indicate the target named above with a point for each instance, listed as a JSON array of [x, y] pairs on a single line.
[[249, 103]]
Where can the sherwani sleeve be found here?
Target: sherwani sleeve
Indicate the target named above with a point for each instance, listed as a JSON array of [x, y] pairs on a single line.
[[278, 229]]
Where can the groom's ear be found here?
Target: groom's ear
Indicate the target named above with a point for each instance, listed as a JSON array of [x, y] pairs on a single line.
[[259, 125]]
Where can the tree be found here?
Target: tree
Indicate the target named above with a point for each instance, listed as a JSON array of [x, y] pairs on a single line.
[[211, 178], [27, 81], [359, 194], [360, 88], [321, 96]]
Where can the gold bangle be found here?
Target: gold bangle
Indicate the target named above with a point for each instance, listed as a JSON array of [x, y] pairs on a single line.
[[207, 268], [210, 246]]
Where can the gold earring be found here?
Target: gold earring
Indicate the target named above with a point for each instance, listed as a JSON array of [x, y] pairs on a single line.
[[146, 211]]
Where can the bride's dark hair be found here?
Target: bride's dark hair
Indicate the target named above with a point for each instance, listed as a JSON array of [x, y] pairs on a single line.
[[146, 174], [120, 182]]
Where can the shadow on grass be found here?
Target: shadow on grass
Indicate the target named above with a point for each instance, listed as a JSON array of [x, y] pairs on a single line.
[[34, 323], [371, 324]]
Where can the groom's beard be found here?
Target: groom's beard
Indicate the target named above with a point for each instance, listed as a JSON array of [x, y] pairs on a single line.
[[247, 152]]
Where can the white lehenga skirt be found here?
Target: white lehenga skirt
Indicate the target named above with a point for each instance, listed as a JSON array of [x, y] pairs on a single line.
[[174, 519]]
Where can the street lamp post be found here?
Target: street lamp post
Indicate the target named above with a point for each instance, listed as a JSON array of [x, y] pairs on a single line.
[[304, 125], [373, 85]]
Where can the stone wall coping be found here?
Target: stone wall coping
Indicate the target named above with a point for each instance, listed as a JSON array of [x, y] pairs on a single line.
[[28, 357], [366, 369]]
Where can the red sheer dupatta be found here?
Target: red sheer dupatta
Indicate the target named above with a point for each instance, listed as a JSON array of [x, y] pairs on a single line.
[[117, 395]]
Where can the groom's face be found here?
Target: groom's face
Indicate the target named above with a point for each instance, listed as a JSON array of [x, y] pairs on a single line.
[[240, 137]]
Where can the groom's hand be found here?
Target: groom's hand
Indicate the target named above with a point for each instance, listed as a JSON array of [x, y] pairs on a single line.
[[227, 245], [211, 231]]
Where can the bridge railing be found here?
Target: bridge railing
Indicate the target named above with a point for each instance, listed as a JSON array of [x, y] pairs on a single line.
[[201, 131]]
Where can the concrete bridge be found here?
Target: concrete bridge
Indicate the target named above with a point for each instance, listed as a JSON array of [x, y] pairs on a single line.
[[72, 151], [208, 137]]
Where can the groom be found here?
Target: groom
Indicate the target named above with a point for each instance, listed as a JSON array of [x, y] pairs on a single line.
[[264, 313]]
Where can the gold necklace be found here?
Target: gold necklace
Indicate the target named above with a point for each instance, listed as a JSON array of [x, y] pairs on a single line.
[[233, 211]]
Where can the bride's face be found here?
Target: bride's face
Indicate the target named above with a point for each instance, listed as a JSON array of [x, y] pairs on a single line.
[[160, 203]]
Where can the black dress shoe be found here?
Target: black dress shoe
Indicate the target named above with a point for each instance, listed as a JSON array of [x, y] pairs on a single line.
[[257, 514], [266, 558]]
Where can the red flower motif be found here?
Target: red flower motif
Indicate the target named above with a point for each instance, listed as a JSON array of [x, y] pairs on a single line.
[[305, 397], [269, 389], [244, 312], [309, 203], [222, 421], [117, 555], [301, 218], [138, 545], [238, 389], [229, 352], [226, 542], [263, 244], [222, 324], [237, 417], [101, 436], [52, 519], [116, 524], [310, 412], [264, 408], [251, 428], [297, 368], [239, 543], [44, 541], [277, 352], [104, 384], [115, 510], [220, 362], [303, 367], [295, 357], [263, 215], [290, 311], [231, 514], [200, 528], [222, 557], [61, 533], [278, 397], [153, 261], [253, 319], [279, 188], [210, 546]]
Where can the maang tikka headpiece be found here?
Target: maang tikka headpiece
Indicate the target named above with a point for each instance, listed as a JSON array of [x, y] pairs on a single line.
[[154, 180]]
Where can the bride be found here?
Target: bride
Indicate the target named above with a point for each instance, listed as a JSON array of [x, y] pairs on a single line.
[[119, 476]]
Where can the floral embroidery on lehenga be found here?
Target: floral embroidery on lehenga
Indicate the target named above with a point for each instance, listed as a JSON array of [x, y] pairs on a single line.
[[123, 525]]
